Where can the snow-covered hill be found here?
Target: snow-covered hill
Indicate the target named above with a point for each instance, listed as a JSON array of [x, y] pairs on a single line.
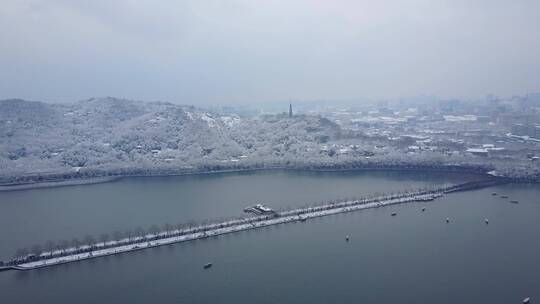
[[109, 133], [111, 136]]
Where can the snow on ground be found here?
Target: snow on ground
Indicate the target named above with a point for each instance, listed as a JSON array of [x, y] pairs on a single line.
[[209, 120], [230, 121]]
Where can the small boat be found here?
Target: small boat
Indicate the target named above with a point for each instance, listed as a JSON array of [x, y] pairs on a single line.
[[258, 209], [207, 265], [303, 219], [424, 209], [487, 221], [252, 210], [514, 202], [347, 238], [494, 193], [448, 220], [394, 214], [526, 300], [504, 196]]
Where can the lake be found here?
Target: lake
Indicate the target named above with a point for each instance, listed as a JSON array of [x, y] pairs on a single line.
[[413, 257]]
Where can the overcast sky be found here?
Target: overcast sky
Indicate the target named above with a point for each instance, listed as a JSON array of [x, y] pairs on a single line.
[[240, 51]]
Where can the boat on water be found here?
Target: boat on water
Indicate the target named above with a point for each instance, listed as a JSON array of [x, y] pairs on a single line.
[[514, 202], [207, 265], [504, 196], [394, 214], [494, 193], [263, 208], [347, 238], [424, 209], [259, 209], [303, 219], [526, 300]]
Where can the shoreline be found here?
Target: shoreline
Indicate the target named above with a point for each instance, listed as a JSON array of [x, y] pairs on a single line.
[[55, 184], [106, 179]]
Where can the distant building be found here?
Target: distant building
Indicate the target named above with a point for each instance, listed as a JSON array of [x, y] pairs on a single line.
[[530, 130], [290, 110]]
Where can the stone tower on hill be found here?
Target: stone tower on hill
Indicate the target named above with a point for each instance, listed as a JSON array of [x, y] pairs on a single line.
[[290, 110]]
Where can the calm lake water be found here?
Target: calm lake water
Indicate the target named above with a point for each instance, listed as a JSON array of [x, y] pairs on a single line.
[[415, 257]]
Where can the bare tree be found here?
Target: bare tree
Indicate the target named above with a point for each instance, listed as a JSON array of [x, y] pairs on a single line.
[[154, 230], [65, 245], [37, 249], [139, 231], [49, 246], [21, 253], [191, 224], [90, 241], [76, 243], [180, 226], [129, 233], [103, 238], [117, 235], [168, 228]]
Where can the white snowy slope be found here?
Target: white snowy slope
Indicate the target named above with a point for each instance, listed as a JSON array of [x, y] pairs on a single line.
[[115, 137]]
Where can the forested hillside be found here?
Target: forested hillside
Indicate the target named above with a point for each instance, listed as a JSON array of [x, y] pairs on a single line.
[[118, 137], [111, 133]]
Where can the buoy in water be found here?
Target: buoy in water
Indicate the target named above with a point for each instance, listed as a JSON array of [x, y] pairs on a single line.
[[487, 221], [347, 238], [447, 220], [424, 209]]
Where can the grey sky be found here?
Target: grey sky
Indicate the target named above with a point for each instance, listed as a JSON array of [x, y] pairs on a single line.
[[238, 51]]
